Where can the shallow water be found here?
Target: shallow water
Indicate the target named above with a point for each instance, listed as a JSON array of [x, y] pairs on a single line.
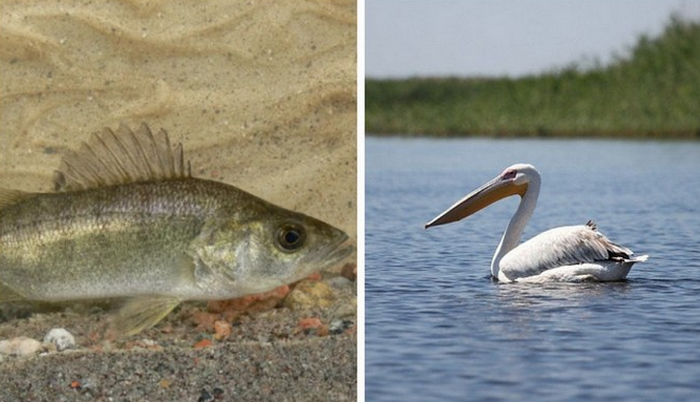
[[438, 328]]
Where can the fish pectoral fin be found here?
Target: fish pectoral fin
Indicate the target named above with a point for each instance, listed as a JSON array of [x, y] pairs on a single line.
[[7, 294], [142, 312]]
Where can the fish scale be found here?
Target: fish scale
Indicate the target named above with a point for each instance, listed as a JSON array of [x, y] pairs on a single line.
[[120, 229]]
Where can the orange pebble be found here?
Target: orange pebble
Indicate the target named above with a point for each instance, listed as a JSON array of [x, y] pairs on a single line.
[[204, 320], [322, 331], [222, 329], [202, 344], [310, 322], [250, 304]]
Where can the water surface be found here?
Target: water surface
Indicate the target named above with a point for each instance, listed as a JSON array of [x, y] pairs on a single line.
[[437, 326]]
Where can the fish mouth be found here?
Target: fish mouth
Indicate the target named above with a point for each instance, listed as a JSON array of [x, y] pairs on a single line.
[[323, 258]]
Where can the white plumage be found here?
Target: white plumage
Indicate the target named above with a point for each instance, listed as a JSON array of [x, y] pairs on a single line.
[[570, 253]]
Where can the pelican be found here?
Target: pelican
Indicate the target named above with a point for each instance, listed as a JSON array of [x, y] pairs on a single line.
[[569, 254]]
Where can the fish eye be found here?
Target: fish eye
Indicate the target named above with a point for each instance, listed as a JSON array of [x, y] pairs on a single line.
[[290, 237]]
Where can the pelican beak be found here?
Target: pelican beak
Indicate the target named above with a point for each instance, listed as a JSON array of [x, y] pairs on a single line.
[[493, 191]]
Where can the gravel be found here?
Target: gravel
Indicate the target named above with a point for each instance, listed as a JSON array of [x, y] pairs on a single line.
[[267, 356], [317, 369]]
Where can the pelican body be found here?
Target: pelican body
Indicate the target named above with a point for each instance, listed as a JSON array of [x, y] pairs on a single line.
[[570, 253]]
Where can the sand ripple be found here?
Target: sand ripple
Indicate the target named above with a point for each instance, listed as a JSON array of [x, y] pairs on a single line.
[[261, 93]]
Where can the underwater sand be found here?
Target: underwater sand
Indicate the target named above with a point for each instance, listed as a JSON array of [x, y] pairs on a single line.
[[262, 94]]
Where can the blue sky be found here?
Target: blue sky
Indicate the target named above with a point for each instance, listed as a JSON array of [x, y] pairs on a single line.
[[405, 38]]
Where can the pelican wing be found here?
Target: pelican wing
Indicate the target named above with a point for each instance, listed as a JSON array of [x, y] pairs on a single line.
[[559, 247]]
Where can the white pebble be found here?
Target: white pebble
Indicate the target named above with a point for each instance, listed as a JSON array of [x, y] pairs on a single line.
[[19, 346], [61, 338]]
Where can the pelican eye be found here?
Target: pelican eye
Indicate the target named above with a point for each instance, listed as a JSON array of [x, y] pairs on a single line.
[[290, 237], [510, 174]]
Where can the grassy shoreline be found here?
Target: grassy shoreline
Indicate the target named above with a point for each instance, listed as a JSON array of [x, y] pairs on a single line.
[[654, 92]]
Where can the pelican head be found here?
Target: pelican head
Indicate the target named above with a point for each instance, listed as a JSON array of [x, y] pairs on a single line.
[[514, 180]]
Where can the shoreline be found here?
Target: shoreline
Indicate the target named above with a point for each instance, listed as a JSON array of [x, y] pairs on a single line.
[[676, 137]]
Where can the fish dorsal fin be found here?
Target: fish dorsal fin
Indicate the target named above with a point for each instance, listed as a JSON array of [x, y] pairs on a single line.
[[10, 196], [121, 157]]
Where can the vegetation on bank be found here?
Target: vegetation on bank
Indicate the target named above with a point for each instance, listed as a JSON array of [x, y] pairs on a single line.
[[652, 92]]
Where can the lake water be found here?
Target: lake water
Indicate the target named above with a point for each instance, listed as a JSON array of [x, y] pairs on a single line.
[[437, 326]]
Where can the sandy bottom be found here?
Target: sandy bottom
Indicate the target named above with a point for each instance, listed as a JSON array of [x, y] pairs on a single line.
[[262, 94], [267, 357], [240, 372]]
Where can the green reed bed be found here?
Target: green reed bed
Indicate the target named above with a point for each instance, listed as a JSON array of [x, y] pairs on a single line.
[[652, 92]]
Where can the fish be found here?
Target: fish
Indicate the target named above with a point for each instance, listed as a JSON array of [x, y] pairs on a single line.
[[128, 220]]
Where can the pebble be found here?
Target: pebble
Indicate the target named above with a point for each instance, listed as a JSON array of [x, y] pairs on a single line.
[[339, 326], [346, 308], [313, 326], [205, 396], [86, 386], [61, 338], [222, 329], [216, 395], [308, 295], [311, 322], [349, 271], [20, 346], [205, 343], [204, 321]]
